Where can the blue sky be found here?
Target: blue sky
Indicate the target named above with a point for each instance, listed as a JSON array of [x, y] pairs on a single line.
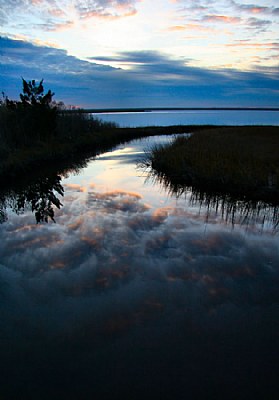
[[134, 53]]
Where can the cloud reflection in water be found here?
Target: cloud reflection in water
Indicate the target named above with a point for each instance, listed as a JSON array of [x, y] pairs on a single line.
[[129, 298]]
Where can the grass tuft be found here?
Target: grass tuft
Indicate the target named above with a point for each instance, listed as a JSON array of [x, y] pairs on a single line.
[[239, 160]]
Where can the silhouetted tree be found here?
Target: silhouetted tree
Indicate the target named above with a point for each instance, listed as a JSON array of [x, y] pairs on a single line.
[[30, 120], [33, 94]]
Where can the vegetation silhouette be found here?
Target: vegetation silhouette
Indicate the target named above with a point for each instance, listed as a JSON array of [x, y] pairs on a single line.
[[230, 207], [36, 130], [33, 94], [40, 197], [242, 161], [30, 120], [233, 210], [40, 191]]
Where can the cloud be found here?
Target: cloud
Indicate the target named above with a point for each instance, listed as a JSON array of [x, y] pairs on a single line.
[[117, 201], [102, 267], [231, 5], [54, 16], [250, 43], [193, 27], [135, 57], [106, 8], [258, 24], [228, 12], [195, 7], [221, 18], [155, 78], [82, 292], [253, 8]]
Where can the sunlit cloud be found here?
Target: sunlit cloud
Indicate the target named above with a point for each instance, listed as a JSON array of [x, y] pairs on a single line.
[[59, 26], [75, 187], [54, 17], [221, 18], [90, 24], [252, 8], [248, 43], [194, 28], [177, 28]]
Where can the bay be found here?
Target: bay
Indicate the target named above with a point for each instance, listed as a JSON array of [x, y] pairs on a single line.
[[198, 117]]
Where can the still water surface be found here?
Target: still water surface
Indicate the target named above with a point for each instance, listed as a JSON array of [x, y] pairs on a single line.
[[193, 117], [135, 292]]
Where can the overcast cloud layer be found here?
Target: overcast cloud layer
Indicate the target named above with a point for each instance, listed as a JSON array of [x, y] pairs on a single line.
[[155, 79]]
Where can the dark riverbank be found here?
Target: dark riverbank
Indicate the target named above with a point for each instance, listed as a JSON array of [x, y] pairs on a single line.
[[36, 132], [241, 161], [64, 150]]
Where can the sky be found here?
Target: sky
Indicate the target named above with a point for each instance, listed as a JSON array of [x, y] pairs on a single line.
[[142, 53]]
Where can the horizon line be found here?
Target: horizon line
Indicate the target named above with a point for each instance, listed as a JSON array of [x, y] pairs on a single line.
[[150, 109]]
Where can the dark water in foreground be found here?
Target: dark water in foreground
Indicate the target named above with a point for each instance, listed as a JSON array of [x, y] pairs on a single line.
[[134, 292]]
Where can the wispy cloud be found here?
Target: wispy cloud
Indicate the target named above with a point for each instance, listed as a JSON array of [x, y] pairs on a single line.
[[221, 18], [258, 25], [252, 8], [194, 28], [106, 8], [250, 19], [258, 45], [54, 15]]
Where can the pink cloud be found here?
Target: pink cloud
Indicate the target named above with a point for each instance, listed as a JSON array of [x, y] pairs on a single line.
[[222, 18]]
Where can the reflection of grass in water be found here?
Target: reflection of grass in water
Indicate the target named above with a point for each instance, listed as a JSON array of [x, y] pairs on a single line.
[[242, 160], [237, 211], [231, 210]]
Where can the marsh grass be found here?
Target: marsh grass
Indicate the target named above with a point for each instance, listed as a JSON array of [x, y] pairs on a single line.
[[239, 160], [31, 138]]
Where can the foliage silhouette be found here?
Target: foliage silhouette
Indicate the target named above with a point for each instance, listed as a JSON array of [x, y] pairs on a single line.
[[30, 120], [33, 94], [239, 160], [40, 197]]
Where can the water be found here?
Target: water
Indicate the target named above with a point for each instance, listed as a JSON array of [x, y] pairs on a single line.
[[212, 117], [136, 292]]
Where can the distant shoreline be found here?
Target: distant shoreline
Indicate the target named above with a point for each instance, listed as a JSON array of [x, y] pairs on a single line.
[[154, 109]]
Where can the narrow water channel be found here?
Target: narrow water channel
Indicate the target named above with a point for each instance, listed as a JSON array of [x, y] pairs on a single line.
[[138, 292]]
